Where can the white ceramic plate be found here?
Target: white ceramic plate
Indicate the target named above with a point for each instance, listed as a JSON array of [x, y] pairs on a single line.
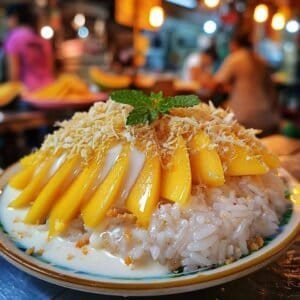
[[169, 283]]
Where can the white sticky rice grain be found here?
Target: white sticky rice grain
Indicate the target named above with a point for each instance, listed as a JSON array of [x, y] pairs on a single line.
[[214, 228]]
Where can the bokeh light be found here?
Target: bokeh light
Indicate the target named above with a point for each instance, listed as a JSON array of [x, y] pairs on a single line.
[[79, 20], [261, 13], [292, 26], [83, 32], [211, 3], [210, 27], [47, 32], [156, 16], [278, 21]]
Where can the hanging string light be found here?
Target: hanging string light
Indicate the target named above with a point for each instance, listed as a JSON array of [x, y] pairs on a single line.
[[211, 3], [83, 32], [79, 20], [210, 27], [156, 16], [292, 26], [278, 21], [261, 13], [47, 32]]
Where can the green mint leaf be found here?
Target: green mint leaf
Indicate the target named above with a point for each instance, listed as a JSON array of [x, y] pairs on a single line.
[[139, 115], [132, 97], [153, 114], [178, 101], [147, 109], [156, 98]]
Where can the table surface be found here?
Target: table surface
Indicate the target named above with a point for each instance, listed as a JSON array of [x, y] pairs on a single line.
[[279, 280]]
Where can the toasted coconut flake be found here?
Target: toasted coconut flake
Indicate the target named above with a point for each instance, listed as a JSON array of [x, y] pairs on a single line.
[[86, 132]]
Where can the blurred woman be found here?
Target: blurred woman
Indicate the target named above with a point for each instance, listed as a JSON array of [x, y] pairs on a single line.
[[199, 65], [29, 57], [205, 67], [246, 76]]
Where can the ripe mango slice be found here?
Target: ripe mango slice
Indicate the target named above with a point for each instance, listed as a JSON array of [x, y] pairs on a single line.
[[108, 191], [30, 159], [31, 191], [177, 180], [29, 165], [206, 164], [244, 163], [21, 179], [271, 160], [50, 193], [144, 195], [69, 204]]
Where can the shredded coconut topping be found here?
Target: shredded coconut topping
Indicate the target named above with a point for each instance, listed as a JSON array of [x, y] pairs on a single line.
[[86, 132]]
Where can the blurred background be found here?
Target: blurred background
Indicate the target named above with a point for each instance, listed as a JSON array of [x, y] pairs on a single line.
[[58, 57]]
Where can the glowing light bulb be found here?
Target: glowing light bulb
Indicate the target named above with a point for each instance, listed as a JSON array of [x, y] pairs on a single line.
[[83, 32], [210, 26], [261, 13], [292, 26], [156, 16], [211, 3], [79, 20], [47, 32], [278, 21]]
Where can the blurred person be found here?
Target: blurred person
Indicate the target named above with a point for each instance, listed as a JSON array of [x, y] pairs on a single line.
[[246, 77], [204, 69], [197, 63], [2, 63], [29, 57]]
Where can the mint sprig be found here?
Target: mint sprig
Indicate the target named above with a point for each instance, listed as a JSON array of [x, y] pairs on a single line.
[[147, 109]]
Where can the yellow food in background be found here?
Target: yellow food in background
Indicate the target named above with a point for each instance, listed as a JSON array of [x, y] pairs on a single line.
[[66, 87], [108, 80], [206, 164], [9, 91], [177, 180]]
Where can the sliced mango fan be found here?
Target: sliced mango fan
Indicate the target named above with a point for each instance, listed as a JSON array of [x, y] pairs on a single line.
[[66, 177]]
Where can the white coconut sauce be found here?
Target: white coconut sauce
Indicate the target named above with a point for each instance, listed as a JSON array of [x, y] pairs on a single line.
[[136, 162], [63, 252]]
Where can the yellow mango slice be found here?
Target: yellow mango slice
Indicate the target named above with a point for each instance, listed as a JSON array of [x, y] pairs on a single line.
[[206, 164], [144, 195], [244, 163], [69, 204], [50, 193], [31, 191], [177, 180], [271, 160], [30, 159], [108, 191], [22, 178]]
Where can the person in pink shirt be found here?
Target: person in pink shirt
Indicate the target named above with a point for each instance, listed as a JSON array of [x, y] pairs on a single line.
[[29, 57]]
